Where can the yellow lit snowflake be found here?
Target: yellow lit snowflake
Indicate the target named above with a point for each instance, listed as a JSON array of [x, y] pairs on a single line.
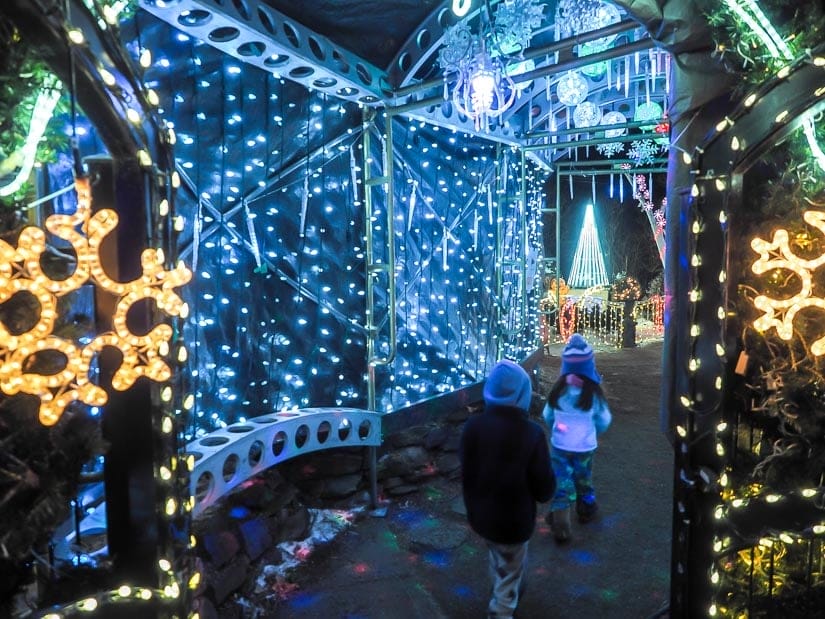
[[777, 254], [20, 270]]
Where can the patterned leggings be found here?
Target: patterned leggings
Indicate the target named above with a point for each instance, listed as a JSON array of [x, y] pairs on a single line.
[[574, 478], [508, 564]]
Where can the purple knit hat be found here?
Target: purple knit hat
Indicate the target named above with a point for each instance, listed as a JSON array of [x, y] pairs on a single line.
[[577, 358], [508, 385]]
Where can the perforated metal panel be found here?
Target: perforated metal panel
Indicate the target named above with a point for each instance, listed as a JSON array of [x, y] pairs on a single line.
[[258, 35], [228, 457]]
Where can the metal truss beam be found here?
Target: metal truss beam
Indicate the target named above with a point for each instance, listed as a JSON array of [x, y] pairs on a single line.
[[257, 34]]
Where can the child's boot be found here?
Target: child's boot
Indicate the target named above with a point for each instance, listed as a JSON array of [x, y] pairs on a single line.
[[560, 525], [586, 510]]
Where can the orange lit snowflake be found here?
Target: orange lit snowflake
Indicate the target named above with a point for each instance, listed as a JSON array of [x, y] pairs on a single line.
[[777, 254], [20, 270]]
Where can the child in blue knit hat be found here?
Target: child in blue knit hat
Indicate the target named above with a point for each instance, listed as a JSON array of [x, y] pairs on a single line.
[[505, 471], [576, 413]]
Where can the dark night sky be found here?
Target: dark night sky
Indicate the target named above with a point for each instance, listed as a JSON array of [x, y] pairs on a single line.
[[625, 234]]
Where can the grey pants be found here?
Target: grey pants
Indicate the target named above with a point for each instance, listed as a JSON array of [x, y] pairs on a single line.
[[508, 563]]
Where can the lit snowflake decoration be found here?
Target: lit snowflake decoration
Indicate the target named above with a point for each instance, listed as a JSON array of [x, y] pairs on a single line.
[[643, 151], [610, 149], [458, 45], [659, 218], [20, 270], [515, 22], [777, 254], [576, 16]]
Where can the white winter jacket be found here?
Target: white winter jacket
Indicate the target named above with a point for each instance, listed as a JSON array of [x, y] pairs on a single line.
[[573, 429]]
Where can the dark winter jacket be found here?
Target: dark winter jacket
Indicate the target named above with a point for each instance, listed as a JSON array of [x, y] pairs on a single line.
[[506, 469]]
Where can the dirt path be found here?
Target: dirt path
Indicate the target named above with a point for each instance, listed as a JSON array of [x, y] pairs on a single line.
[[616, 567]]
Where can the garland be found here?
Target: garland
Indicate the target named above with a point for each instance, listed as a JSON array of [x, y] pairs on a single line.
[[24, 81], [747, 39]]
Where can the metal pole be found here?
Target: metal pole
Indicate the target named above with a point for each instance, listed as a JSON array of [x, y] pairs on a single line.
[[592, 141], [524, 240]]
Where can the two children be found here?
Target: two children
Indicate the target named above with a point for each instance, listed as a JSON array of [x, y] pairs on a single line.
[[576, 413], [507, 467]]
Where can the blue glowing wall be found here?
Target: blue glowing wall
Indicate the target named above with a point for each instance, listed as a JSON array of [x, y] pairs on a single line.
[[274, 233]]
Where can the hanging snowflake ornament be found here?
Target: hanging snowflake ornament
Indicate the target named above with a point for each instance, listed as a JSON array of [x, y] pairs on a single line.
[[659, 218], [643, 151], [514, 24], [610, 149], [577, 16], [458, 45]]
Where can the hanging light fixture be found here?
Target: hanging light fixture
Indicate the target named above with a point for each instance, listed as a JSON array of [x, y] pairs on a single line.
[[483, 89]]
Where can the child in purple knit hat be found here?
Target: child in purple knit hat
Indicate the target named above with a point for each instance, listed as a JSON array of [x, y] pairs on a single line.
[[576, 413]]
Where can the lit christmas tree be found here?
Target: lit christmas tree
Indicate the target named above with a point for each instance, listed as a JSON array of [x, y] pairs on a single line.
[[588, 263]]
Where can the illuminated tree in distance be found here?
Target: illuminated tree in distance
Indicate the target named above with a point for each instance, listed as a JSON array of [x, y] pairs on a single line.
[[588, 263]]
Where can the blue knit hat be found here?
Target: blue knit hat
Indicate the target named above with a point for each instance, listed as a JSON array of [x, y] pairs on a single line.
[[508, 385], [577, 358]]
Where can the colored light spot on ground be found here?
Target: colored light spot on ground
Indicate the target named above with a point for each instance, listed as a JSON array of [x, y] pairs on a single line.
[[303, 600], [437, 558], [433, 493], [468, 551], [608, 594], [430, 523], [577, 591], [613, 521], [239, 512], [463, 591], [410, 517], [361, 568], [583, 557], [540, 571], [389, 540]]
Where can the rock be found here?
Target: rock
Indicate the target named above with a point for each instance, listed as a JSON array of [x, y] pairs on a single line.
[[436, 437], [293, 525], [392, 482], [221, 547], [453, 442], [446, 536], [421, 474], [447, 463], [402, 490], [224, 581], [340, 487], [403, 462], [337, 462], [253, 494], [255, 536], [462, 413], [414, 435], [284, 496]]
